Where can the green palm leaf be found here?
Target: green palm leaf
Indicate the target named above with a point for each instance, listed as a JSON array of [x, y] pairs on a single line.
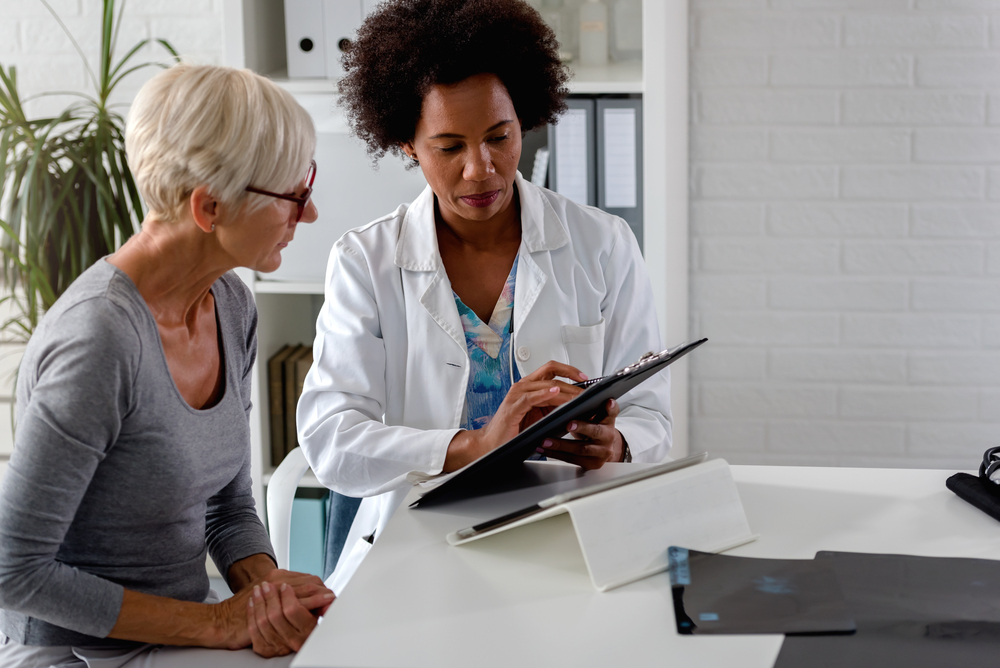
[[69, 197]]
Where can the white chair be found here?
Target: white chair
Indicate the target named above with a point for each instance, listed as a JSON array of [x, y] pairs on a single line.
[[280, 496]]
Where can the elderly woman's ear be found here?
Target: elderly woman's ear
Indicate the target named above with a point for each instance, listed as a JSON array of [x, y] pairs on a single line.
[[205, 209]]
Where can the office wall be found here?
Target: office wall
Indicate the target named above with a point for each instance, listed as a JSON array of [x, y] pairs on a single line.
[[31, 40], [846, 230]]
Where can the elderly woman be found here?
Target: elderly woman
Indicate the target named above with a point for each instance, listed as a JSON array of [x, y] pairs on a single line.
[[455, 321], [132, 454]]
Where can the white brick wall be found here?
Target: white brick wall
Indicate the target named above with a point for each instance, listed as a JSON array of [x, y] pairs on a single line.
[[845, 215], [31, 39], [846, 230]]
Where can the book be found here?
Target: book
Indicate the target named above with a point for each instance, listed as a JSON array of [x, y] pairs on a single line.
[[302, 366], [276, 402], [288, 388]]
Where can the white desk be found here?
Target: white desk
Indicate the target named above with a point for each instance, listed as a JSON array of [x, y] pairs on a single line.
[[523, 598]]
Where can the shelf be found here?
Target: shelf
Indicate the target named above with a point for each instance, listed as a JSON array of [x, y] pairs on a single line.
[[308, 480], [302, 86], [624, 77], [289, 288], [617, 78]]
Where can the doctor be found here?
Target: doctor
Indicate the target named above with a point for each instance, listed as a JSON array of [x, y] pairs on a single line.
[[459, 319]]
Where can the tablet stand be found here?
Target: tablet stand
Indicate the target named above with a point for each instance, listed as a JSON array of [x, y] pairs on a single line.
[[624, 532]]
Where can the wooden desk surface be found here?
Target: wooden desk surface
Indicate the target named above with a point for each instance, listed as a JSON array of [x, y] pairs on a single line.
[[524, 597]]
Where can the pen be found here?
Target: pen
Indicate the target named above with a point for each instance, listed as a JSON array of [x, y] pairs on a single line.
[[588, 383]]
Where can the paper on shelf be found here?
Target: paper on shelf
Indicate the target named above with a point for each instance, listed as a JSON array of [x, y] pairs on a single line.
[[620, 180], [571, 155]]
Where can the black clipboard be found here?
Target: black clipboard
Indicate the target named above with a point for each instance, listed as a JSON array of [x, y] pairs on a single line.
[[587, 407]]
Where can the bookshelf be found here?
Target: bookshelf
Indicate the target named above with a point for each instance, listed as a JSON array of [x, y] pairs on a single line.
[[253, 37]]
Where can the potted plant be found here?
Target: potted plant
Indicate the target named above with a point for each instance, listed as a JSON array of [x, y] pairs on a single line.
[[68, 196]]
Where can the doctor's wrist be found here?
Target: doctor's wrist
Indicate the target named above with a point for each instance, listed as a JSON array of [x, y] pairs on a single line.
[[465, 447], [626, 455]]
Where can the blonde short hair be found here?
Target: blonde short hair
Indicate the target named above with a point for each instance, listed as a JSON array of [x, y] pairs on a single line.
[[195, 125]]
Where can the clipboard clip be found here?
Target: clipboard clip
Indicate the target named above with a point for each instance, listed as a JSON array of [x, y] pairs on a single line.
[[643, 361], [647, 358]]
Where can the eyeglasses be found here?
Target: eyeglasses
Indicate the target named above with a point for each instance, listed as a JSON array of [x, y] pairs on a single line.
[[300, 200]]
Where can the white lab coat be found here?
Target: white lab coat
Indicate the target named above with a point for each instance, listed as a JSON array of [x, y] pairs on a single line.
[[386, 392]]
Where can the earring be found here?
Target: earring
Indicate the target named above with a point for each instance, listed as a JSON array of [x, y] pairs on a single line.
[[213, 227]]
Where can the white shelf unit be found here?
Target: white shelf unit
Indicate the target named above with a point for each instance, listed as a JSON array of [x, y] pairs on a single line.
[[252, 39]]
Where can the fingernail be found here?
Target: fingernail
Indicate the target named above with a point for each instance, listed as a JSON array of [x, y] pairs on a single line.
[[553, 390], [539, 451], [584, 376], [266, 588], [613, 403], [572, 426], [250, 601], [256, 591], [328, 594], [284, 586], [547, 443]]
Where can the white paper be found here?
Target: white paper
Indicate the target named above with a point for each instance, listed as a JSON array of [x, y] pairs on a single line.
[[620, 182], [571, 156], [540, 170]]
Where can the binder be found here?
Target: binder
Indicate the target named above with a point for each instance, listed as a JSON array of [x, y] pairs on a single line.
[[619, 160], [341, 19], [572, 153], [305, 42]]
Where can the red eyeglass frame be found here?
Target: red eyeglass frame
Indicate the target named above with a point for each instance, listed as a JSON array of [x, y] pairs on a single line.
[[300, 200]]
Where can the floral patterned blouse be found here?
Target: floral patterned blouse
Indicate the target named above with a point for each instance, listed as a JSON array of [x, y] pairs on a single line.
[[493, 371]]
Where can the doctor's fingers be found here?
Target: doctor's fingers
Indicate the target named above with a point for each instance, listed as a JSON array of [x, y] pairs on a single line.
[[585, 455], [551, 369], [566, 390], [613, 410]]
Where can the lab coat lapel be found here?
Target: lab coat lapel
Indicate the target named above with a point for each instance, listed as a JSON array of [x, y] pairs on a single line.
[[418, 255], [541, 232]]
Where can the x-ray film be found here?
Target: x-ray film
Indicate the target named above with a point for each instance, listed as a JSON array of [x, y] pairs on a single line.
[[720, 594], [911, 612]]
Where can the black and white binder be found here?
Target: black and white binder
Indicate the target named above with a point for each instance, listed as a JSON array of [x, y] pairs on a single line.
[[572, 153], [305, 41], [619, 160]]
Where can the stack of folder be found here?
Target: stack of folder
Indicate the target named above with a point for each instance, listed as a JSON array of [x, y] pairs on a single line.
[[286, 374]]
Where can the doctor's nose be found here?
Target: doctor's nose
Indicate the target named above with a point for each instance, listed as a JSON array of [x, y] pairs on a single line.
[[478, 164]]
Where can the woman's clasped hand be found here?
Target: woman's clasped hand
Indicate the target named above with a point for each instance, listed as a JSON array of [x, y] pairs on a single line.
[[274, 615]]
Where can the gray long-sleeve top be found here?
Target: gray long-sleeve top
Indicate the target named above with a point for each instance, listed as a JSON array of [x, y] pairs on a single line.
[[115, 481]]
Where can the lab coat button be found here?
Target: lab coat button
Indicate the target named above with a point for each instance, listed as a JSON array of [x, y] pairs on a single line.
[[523, 353]]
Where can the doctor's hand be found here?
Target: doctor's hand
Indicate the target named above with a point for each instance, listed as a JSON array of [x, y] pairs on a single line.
[[595, 444], [528, 400]]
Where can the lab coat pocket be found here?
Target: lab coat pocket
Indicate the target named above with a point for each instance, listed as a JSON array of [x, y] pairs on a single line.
[[585, 347]]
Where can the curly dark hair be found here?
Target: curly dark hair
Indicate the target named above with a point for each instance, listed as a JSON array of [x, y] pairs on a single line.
[[406, 46]]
